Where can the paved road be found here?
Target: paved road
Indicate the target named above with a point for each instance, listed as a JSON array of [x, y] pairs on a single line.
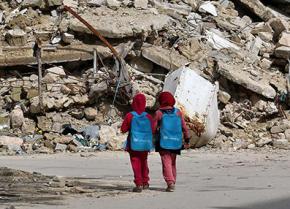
[[206, 180]]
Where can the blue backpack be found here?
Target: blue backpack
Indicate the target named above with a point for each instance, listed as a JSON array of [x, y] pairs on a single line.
[[171, 130], [141, 132]]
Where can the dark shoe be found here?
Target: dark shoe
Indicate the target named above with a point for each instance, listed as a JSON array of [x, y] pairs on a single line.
[[145, 186], [170, 188], [137, 189]]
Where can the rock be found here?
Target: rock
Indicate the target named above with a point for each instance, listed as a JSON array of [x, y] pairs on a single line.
[[41, 4], [78, 114], [98, 89], [173, 10], [72, 148], [192, 3], [107, 133], [251, 146], [265, 63], [278, 136], [141, 4], [278, 25], [282, 52], [90, 113], [281, 144], [279, 128], [67, 38], [4, 121], [44, 123], [16, 94], [1, 16], [48, 144], [255, 46], [113, 4], [284, 39], [16, 37], [287, 134], [218, 42], [168, 59], [208, 7], [32, 92], [96, 2], [262, 28], [63, 140], [56, 71], [60, 147], [258, 8], [34, 105], [12, 143], [243, 78], [51, 136], [263, 141], [141, 64], [28, 127], [17, 117], [266, 36], [240, 144], [114, 24], [224, 97]]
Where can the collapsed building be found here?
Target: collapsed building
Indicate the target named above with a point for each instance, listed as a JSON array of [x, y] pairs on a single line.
[[62, 87]]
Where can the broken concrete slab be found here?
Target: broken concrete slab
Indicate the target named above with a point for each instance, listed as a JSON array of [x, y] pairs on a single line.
[[218, 42], [282, 52], [266, 36], [141, 64], [16, 37], [141, 4], [284, 39], [236, 74], [169, 59], [173, 10], [41, 4], [120, 23], [208, 7], [12, 56], [258, 8], [278, 25]]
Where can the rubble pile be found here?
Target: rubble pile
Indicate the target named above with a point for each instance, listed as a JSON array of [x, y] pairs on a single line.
[[20, 187], [242, 44]]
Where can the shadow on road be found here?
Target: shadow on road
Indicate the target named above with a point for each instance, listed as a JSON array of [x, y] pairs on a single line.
[[274, 204]]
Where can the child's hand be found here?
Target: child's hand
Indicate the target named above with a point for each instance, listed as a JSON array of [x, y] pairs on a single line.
[[186, 146]]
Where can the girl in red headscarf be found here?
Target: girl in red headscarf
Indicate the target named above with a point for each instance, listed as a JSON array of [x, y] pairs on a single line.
[[139, 124], [170, 127]]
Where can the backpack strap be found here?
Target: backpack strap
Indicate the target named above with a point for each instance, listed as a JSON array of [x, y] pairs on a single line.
[[136, 114]]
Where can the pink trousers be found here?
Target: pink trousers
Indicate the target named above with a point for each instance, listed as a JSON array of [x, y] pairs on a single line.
[[140, 167], [168, 166]]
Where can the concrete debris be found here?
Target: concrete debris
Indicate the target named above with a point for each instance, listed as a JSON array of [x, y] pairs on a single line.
[[160, 44], [17, 118], [114, 24], [169, 59], [208, 7], [218, 42], [284, 39], [16, 37], [198, 105]]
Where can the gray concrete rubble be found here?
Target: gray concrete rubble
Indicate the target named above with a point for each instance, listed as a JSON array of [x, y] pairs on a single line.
[[86, 83], [114, 24]]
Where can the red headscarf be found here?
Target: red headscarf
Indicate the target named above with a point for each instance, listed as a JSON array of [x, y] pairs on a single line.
[[166, 99], [139, 103]]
